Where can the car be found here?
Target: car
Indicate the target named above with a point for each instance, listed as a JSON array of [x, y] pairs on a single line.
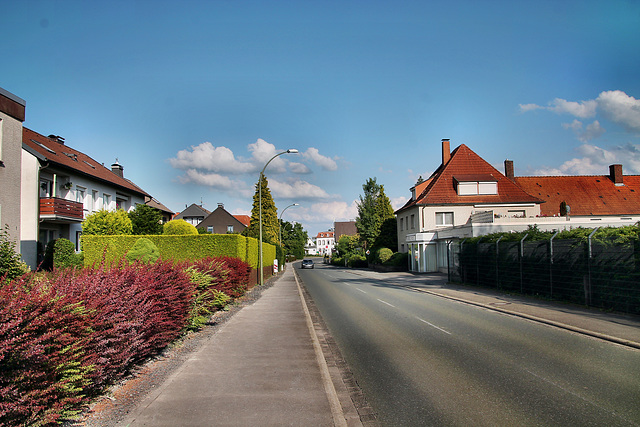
[[307, 263]]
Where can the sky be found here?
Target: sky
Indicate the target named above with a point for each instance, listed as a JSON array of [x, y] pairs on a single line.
[[194, 97]]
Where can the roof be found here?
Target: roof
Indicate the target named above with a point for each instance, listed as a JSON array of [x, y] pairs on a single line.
[[585, 195], [156, 204], [244, 219], [440, 189], [324, 234], [63, 156], [192, 211]]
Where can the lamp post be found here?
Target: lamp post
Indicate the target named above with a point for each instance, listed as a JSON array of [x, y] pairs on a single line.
[[280, 221], [289, 151]]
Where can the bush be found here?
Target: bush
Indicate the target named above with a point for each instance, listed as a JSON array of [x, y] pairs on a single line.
[[64, 254], [357, 261], [398, 259], [11, 266], [146, 220], [383, 255], [144, 251], [179, 226], [206, 298], [107, 223]]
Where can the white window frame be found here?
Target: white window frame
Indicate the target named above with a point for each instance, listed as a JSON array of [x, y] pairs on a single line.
[[229, 228], [106, 201], [442, 217]]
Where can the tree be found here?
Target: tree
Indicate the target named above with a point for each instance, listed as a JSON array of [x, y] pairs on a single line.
[[105, 222], [146, 220], [11, 266], [179, 226], [269, 215], [376, 221], [293, 239]]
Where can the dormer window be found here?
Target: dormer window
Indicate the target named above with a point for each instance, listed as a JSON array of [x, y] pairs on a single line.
[[476, 185]]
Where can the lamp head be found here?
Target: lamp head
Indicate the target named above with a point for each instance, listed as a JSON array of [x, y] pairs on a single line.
[[292, 151]]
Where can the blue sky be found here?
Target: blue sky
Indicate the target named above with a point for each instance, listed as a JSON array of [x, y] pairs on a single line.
[[193, 97]]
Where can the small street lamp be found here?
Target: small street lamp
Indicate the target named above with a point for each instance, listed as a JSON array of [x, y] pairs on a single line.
[[289, 151]]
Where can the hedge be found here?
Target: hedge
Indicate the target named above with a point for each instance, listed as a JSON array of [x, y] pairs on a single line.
[[177, 248]]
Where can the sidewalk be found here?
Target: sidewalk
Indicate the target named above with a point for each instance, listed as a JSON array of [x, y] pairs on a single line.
[[618, 328], [261, 368]]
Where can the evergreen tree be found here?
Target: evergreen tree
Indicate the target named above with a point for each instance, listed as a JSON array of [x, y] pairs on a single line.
[[269, 215], [374, 211], [146, 220], [293, 239]]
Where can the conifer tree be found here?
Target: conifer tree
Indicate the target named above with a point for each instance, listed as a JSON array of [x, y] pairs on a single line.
[[376, 220], [269, 215]]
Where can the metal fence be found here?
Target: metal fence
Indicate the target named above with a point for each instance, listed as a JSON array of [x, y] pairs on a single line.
[[594, 273]]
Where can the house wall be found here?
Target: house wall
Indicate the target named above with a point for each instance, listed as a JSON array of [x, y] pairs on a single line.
[[29, 209], [10, 170]]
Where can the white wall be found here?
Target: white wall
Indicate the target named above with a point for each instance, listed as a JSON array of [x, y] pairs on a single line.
[[29, 208]]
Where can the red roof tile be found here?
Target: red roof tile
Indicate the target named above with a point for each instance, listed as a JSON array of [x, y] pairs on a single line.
[[244, 219], [62, 155], [440, 189], [585, 195]]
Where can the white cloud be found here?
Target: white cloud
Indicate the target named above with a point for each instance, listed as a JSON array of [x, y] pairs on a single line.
[[207, 157], [621, 108], [328, 212], [594, 160], [398, 202], [324, 162], [582, 109], [213, 180], [529, 107], [296, 190], [592, 131], [299, 168]]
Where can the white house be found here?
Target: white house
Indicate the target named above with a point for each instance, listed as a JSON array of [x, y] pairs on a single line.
[[325, 243], [467, 197], [60, 187]]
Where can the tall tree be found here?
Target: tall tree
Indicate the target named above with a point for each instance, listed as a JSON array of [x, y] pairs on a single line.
[[374, 210], [294, 237], [269, 215], [146, 220]]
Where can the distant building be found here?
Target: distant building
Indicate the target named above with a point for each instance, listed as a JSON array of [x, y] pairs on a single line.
[[325, 243], [310, 247], [222, 222], [193, 214], [347, 228]]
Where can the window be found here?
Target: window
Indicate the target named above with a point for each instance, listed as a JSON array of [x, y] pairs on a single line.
[[210, 229], [401, 224], [229, 228], [474, 185], [413, 221], [95, 200], [444, 218], [106, 201], [80, 194]]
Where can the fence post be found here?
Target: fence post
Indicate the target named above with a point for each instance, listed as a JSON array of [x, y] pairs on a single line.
[[478, 261], [587, 287], [551, 264], [497, 257], [522, 256]]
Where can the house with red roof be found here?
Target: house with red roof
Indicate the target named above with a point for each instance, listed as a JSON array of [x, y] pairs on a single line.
[[467, 197], [61, 186], [220, 221], [325, 243]]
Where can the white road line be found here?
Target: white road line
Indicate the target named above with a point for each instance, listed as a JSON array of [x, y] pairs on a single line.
[[384, 302], [361, 290], [434, 326]]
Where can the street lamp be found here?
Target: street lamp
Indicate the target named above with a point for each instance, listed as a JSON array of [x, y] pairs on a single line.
[[289, 151], [280, 221]]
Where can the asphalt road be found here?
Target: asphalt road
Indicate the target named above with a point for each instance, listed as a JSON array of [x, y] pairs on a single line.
[[424, 360]]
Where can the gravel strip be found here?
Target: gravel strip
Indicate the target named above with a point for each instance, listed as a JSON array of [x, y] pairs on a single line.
[[120, 399]]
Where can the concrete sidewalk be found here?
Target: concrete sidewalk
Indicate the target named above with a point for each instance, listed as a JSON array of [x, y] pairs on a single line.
[[618, 328], [263, 367]]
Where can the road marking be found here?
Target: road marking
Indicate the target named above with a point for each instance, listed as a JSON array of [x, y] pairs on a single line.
[[361, 290], [434, 326], [384, 302]]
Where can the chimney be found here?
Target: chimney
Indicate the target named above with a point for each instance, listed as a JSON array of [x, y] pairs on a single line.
[[615, 173], [508, 170], [117, 169], [221, 205], [446, 151]]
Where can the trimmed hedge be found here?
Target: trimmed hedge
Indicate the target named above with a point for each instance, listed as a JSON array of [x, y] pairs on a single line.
[[111, 249]]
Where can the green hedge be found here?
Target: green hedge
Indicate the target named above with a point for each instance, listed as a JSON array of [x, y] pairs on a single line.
[[178, 247]]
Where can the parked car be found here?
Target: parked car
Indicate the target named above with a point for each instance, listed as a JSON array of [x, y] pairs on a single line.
[[307, 263]]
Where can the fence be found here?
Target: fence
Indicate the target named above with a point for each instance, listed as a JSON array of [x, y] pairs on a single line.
[[602, 274]]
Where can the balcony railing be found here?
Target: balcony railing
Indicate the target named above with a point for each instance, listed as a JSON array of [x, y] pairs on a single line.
[[55, 208]]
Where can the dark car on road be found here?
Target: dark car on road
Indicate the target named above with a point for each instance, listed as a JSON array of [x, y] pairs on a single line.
[[307, 263]]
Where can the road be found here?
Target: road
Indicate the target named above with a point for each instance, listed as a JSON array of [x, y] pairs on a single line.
[[424, 360]]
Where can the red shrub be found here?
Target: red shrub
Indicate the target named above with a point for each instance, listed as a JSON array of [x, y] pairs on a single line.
[[231, 275]]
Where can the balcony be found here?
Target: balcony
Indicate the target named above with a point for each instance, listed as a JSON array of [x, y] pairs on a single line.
[[60, 210]]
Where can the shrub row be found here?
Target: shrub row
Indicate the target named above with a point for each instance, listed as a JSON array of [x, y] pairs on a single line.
[[68, 334], [110, 249]]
